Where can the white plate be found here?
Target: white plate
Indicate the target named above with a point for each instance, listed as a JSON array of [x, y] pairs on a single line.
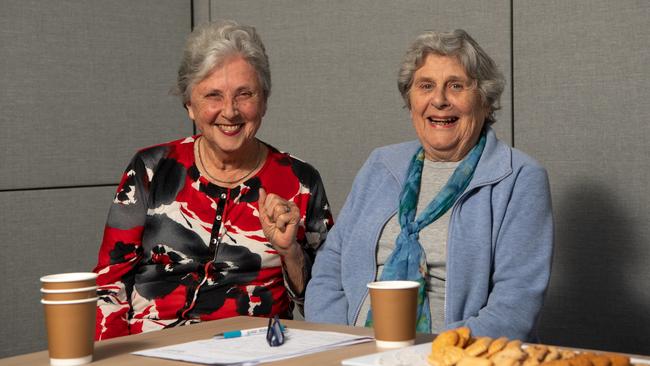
[[415, 356], [407, 356]]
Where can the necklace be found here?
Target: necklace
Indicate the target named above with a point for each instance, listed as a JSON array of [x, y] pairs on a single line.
[[205, 168]]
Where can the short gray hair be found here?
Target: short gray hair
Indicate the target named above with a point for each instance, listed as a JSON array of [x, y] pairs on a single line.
[[478, 65], [210, 44]]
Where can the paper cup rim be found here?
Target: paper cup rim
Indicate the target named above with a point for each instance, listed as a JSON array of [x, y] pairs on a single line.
[[71, 361], [394, 344], [393, 285], [68, 302], [69, 277], [67, 290]]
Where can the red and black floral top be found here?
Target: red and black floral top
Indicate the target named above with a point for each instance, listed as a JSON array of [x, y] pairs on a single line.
[[178, 249]]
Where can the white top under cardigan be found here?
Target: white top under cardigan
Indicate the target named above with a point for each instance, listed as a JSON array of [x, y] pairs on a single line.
[[433, 238]]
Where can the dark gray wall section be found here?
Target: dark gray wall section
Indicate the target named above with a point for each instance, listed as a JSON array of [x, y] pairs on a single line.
[[42, 232], [582, 88], [334, 68], [85, 84]]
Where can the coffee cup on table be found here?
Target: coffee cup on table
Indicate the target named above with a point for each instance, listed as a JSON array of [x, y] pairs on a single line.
[[70, 302], [69, 294], [394, 312], [73, 280]]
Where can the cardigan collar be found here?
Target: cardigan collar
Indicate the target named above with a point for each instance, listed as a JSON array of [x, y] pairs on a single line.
[[494, 165]]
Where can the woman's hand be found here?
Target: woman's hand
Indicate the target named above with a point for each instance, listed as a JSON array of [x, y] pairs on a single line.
[[279, 219]]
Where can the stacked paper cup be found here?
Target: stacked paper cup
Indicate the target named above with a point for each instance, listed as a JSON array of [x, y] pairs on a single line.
[[70, 300]]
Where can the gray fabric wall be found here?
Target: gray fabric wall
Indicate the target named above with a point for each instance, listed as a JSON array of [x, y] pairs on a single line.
[[582, 85], [334, 68], [84, 84]]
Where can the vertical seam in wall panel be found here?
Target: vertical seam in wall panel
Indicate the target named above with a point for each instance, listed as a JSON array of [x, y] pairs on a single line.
[[192, 24], [191, 15], [512, 72], [194, 130]]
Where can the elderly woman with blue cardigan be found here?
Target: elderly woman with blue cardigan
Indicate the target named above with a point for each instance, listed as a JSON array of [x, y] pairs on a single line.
[[457, 210]]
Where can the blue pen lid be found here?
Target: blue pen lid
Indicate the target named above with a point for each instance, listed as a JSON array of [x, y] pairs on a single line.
[[232, 334]]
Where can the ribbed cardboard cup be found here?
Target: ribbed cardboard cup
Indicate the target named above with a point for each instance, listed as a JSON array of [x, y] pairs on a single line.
[[69, 294], [70, 330], [69, 280], [394, 310]]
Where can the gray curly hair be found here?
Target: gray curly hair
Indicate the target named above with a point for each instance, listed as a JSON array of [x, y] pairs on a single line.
[[478, 65], [210, 44]]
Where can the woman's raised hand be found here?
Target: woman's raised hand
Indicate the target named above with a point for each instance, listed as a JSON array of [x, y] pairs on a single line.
[[279, 219]]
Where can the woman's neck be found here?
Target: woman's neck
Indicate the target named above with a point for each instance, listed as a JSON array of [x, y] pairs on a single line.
[[229, 169]]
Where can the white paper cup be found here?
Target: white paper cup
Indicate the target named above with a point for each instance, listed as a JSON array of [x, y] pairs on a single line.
[[69, 280], [69, 294], [394, 311], [70, 330]]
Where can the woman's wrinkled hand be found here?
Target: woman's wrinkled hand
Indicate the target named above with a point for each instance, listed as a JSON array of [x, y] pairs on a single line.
[[279, 219]]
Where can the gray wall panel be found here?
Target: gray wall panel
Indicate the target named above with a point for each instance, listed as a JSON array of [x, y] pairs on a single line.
[[334, 68], [43, 232], [582, 87], [84, 84]]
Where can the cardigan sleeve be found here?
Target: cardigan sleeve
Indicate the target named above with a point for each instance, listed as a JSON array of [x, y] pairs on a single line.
[[327, 301], [120, 252], [523, 253], [325, 298]]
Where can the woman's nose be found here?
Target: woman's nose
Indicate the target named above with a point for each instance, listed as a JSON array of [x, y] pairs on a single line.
[[439, 99], [229, 109]]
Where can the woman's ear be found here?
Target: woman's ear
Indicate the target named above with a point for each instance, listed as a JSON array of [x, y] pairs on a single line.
[[190, 110]]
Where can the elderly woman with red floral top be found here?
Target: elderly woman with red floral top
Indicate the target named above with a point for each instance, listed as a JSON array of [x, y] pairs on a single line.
[[215, 225]]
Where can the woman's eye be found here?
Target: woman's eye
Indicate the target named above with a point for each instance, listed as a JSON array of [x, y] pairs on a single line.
[[456, 86], [244, 95], [426, 86]]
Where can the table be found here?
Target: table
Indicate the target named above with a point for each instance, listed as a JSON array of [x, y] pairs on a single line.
[[116, 351]]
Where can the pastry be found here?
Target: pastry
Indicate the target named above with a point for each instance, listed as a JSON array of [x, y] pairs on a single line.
[[474, 361], [536, 352], [618, 359], [464, 334], [497, 345], [444, 339], [478, 347]]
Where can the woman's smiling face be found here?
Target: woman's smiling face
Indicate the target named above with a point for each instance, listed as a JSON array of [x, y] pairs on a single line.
[[446, 108], [228, 105]]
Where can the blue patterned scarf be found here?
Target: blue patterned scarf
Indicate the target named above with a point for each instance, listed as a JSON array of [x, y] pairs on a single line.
[[408, 260]]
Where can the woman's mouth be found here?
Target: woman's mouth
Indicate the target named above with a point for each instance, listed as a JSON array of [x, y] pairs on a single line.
[[442, 122], [230, 130]]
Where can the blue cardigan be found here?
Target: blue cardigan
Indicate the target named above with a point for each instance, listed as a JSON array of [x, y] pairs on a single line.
[[499, 246]]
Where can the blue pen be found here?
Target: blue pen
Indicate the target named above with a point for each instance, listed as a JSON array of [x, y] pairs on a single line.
[[244, 332]]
